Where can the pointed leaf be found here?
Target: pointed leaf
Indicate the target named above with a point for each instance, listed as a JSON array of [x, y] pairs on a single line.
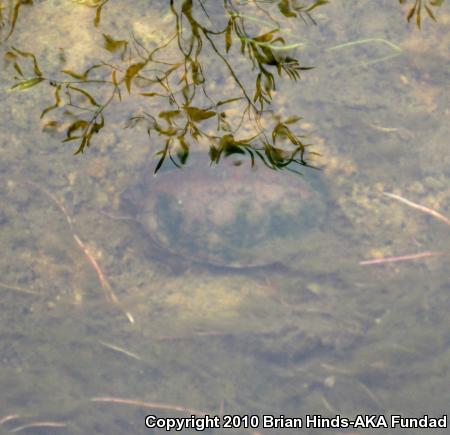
[[98, 15], [114, 45], [57, 102], [86, 94], [77, 125], [285, 8], [169, 114], [17, 68], [430, 12], [15, 15], [132, 71], [21, 86], [411, 13], [228, 38], [293, 119], [151, 94], [163, 155], [36, 69], [317, 4], [75, 75], [183, 151], [196, 114]]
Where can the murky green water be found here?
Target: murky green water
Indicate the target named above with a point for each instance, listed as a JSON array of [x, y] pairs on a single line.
[[93, 314]]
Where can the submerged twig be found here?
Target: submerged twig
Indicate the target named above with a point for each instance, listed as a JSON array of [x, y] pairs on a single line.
[[364, 42], [120, 350], [149, 405], [39, 424], [328, 405], [9, 418], [400, 258], [157, 406], [194, 335], [101, 276], [422, 208], [19, 290], [410, 257], [110, 295]]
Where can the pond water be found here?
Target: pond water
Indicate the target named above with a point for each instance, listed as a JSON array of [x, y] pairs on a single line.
[[102, 323]]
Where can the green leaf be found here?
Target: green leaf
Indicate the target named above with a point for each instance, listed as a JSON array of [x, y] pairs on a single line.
[[183, 151], [75, 75], [197, 74], [430, 13], [84, 143], [114, 45], [163, 154], [229, 100], [285, 8], [71, 138], [293, 119], [411, 13], [17, 68], [214, 154], [26, 84], [233, 149], [266, 37], [15, 15], [228, 38], [98, 15], [196, 114], [317, 4], [57, 102], [98, 125], [36, 69], [10, 56], [169, 114], [81, 124], [132, 71], [151, 94], [86, 94]]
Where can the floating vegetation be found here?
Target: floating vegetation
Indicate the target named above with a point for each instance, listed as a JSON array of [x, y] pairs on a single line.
[[95, 4], [191, 113], [418, 6], [173, 76]]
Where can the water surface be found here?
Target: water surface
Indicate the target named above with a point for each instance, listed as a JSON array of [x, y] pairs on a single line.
[[324, 335]]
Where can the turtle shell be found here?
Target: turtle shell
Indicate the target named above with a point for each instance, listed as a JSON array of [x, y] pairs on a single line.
[[228, 214]]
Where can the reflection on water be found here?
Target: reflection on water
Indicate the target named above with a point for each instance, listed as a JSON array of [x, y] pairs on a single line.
[[107, 317]]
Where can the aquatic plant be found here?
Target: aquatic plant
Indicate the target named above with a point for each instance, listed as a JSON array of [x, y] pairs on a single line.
[[174, 74], [418, 6]]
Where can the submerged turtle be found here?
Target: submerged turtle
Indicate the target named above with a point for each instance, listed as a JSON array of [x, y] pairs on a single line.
[[229, 214]]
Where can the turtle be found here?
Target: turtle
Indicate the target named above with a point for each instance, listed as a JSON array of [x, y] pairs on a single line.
[[230, 214]]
